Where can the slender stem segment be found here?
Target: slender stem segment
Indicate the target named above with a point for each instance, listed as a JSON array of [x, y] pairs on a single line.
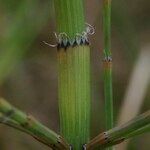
[[69, 17], [74, 72], [108, 93], [107, 27], [139, 125], [13, 117]]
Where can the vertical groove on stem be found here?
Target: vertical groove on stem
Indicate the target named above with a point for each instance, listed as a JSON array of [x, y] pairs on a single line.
[[107, 27], [108, 92], [74, 94], [74, 73], [69, 16]]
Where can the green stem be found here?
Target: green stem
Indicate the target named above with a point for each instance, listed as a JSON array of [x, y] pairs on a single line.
[[9, 122], [74, 95], [13, 117], [74, 74], [107, 27], [69, 17], [142, 130], [108, 92], [139, 125]]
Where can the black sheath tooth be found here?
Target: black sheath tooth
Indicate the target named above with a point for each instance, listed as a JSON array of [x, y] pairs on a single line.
[[68, 44], [75, 43], [84, 147], [81, 42], [87, 42], [107, 59], [62, 45], [58, 46]]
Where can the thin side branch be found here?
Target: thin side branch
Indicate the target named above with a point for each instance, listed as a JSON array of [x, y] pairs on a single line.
[[139, 125], [11, 123], [13, 117]]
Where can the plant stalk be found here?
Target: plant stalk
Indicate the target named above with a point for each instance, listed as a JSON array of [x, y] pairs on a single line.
[[136, 126], [74, 73], [13, 117], [108, 91]]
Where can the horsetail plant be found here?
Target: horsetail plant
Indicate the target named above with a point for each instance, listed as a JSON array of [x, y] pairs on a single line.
[[74, 88], [107, 63], [15, 118], [74, 71]]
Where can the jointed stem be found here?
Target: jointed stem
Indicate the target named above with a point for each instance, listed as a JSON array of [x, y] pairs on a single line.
[[13, 117], [108, 93], [138, 125], [73, 72]]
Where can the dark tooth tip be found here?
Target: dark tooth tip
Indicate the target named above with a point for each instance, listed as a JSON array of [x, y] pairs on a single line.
[[87, 42], [58, 46], [68, 44], [81, 43], [74, 43], [62, 45]]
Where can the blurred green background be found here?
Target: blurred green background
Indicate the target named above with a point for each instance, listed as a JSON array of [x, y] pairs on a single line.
[[28, 67]]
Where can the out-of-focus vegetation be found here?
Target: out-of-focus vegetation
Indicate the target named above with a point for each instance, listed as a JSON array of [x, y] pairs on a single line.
[[28, 68]]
